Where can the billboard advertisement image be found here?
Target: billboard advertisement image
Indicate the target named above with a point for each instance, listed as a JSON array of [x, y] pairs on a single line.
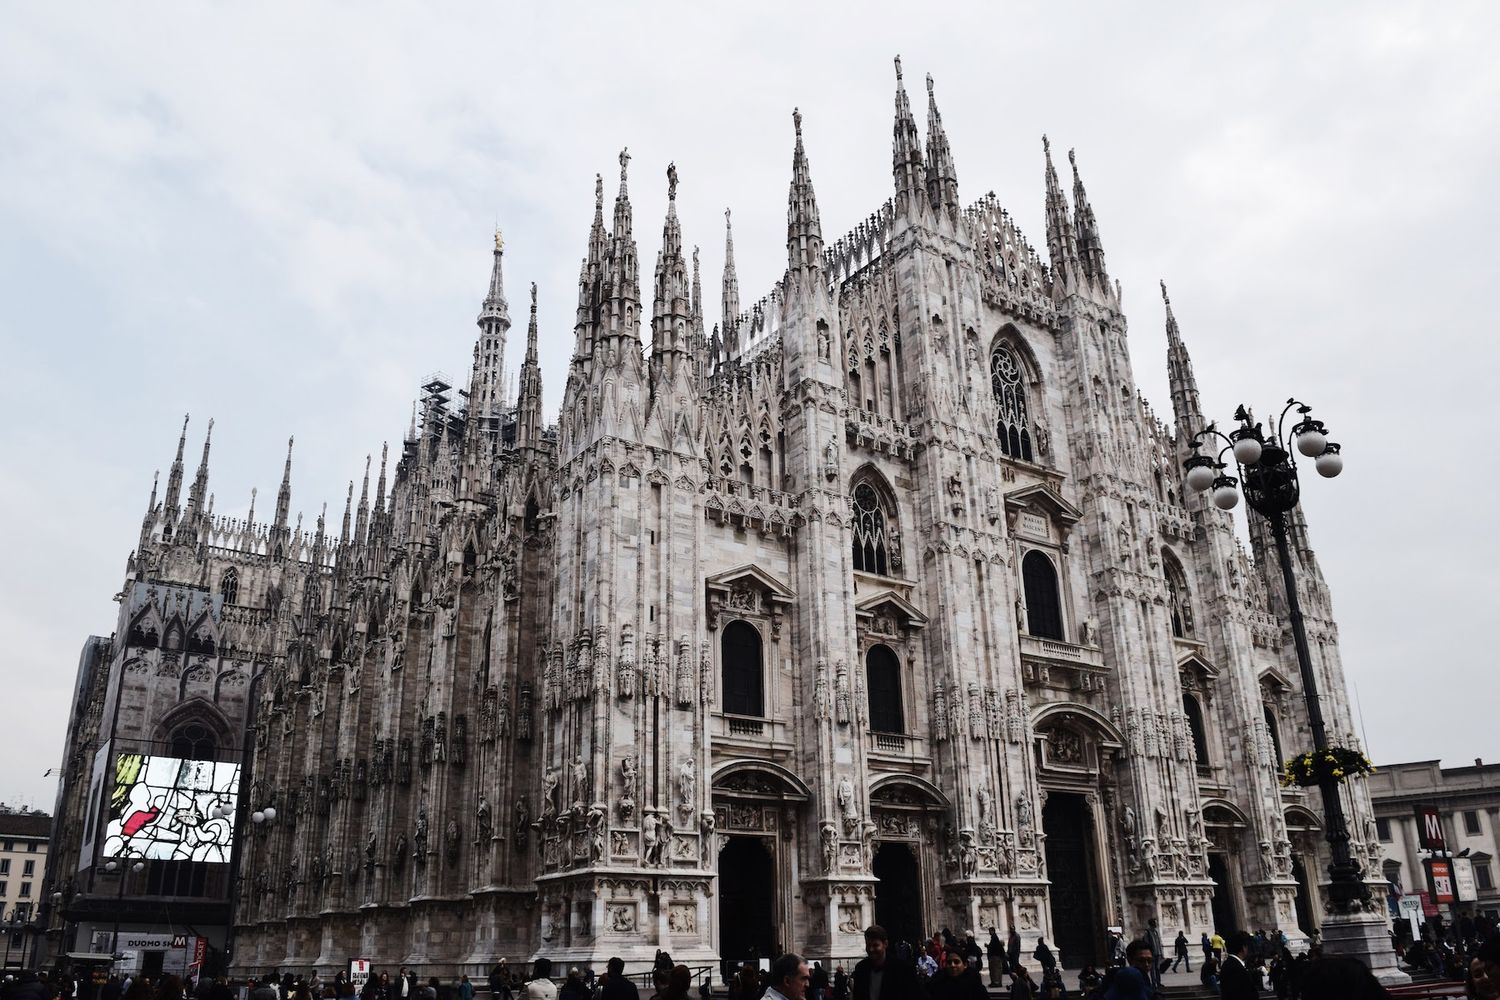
[[161, 809]]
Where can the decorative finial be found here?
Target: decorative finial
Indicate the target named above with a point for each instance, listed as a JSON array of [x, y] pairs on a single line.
[[797, 121], [929, 84], [726, 217], [1072, 159], [672, 181], [533, 296], [499, 240], [1164, 292], [1046, 145], [624, 162], [598, 190], [898, 69]]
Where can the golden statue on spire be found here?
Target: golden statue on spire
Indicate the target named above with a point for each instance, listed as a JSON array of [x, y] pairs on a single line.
[[499, 240]]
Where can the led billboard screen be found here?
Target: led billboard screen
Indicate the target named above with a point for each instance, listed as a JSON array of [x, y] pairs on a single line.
[[162, 809]]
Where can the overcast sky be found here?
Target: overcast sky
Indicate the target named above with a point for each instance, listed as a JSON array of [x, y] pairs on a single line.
[[282, 217]]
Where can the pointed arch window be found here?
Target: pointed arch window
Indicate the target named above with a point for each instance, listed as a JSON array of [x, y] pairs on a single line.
[[229, 586], [883, 682], [1177, 596], [1043, 604], [193, 741], [1194, 713], [871, 532], [1274, 731], [1013, 421], [740, 651]]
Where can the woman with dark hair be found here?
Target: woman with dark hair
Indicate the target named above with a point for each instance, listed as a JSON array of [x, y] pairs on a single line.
[[371, 990], [956, 981], [679, 984], [170, 989]]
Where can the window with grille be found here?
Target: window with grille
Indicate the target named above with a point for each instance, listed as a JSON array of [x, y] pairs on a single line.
[[229, 586], [870, 535], [1013, 423], [740, 651], [883, 682], [193, 741]]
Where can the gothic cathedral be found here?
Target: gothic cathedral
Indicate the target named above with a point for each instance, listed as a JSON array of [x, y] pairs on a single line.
[[881, 601]]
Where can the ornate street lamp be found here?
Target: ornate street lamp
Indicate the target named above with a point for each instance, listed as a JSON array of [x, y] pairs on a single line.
[[1267, 469]]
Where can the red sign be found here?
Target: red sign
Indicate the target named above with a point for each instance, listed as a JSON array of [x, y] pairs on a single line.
[[1430, 829], [1429, 909], [1440, 879]]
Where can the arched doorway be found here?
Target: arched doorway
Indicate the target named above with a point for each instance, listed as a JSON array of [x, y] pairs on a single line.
[[1304, 895], [1225, 920], [898, 897], [747, 900], [1076, 926]]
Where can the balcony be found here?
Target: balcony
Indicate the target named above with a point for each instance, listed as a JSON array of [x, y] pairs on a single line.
[[751, 733], [1061, 664], [900, 750]]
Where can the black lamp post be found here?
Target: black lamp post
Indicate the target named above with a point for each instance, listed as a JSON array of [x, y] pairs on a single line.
[[1268, 477]]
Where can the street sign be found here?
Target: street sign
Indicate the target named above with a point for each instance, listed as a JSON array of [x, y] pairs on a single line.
[[1411, 909], [1430, 829], [1440, 880], [179, 940], [1463, 880]]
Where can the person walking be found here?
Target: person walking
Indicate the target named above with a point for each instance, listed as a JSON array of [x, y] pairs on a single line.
[[1208, 948], [1180, 946], [819, 982], [878, 975], [1216, 945], [465, 988], [615, 985], [1044, 955], [1012, 948], [994, 950], [1022, 986], [499, 981]]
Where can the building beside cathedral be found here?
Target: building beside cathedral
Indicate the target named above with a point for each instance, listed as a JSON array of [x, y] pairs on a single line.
[[880, 600]]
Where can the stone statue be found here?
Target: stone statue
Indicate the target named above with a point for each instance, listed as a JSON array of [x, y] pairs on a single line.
[[419, 839], [831, 460], [848, 808], [829, 838], [986, 815], [596, 833], [1023, 812], [370, 847], [523, 821], [706, 838], [483, 826], [580, 783], [687, 785], [549, 794], [651, 840], [451, 836], [629, 772]]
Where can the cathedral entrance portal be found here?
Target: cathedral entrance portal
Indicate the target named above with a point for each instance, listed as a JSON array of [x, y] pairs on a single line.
[[747, 900], [1224, 918], [898, 898], [1076, 926]]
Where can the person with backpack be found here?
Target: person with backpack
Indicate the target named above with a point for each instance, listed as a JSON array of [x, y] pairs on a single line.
[[1044, 955]]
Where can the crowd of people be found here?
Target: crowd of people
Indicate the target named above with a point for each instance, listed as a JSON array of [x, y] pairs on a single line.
[[943, 967]]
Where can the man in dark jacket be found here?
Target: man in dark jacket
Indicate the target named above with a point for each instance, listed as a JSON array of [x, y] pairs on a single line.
[[616, 986], [879, 975], [1236, 981], [1012, 948]]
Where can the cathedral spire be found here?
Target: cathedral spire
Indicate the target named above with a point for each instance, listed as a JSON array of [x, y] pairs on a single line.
[[284, 495], [250, 515], [622, 278], [362, 521], [906, 156], [804, 232], [529, 392], [590, 279], [1061, 243], [1186, 406], [942, 175], [486, 385], [671, 310], [174, 477], [730, 304], [348, 512], [1090, 250], [199, 488]]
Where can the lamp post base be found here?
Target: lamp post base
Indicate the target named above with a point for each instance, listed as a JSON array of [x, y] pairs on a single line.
[[1364, 936]]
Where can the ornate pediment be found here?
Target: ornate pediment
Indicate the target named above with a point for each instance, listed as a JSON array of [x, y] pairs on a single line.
[[751, 576], [889, 606], [1040, 511]]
